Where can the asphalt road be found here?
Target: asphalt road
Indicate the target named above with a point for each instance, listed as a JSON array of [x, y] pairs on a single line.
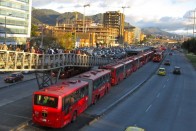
[[163, 103], [16, 102]]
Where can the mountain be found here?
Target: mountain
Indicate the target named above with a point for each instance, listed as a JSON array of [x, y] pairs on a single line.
[[49, 17], [157, 31], [44, 16]]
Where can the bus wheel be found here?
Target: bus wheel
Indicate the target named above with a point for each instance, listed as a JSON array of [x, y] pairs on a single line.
[[74, 116]]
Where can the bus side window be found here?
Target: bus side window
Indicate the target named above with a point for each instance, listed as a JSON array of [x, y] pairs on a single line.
[[84, 91], [66, 104], [72, 100]]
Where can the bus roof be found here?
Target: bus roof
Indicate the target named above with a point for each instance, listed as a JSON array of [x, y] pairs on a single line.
[[114, 66], [64, 88], [94, 74], [128, 61]]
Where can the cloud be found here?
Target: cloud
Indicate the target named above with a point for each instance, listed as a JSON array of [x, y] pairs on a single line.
[[166, 14], [164, 23], [181, 1]]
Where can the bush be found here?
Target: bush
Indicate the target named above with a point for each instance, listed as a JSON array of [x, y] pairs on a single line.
[[190, 45]]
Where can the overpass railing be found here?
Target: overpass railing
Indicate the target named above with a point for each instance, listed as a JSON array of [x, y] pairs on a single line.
[[25, 61]]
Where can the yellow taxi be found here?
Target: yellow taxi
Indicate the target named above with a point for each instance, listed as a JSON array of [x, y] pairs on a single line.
[[134, 128], [161, 71]]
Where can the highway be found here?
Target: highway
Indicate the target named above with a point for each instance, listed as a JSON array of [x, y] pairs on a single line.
[[163, 103]]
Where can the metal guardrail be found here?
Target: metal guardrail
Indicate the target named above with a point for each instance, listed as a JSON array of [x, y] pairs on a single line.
[[25, 61]]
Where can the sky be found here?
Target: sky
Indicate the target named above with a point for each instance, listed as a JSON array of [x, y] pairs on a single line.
[[169, 15]]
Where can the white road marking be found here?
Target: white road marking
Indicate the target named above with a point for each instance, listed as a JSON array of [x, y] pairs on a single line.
[[148, 108], [5, 102]]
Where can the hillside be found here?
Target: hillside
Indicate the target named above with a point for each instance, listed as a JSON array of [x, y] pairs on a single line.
[[44, 16], [50, 16], [156, 31]]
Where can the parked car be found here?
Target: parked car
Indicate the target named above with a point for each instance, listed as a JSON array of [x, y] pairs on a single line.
[[14, 77], [167, 62], [161, 71], [176, 70]]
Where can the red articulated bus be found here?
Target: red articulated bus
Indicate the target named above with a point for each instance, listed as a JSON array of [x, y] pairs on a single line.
[[99, 83], [58, 105], [157, 57], [117, 72]]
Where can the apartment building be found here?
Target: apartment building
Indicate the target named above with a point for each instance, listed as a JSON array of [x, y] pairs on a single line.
[[15, 21], [115, 19], [136, 34], [92, 34]]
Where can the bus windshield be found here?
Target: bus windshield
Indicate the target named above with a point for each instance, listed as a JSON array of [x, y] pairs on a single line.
[[44, 100]]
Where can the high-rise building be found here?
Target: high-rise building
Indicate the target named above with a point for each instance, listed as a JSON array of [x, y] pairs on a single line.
[[115, 19], [15, 21]]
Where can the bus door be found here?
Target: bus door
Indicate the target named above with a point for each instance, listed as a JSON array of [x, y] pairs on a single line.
[[90, 88], [90, 92], [113, 76], [67, 109]]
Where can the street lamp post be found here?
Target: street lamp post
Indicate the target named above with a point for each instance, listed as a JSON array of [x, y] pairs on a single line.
[[194, 24], [41, 45], [87, 5], [123, 7]]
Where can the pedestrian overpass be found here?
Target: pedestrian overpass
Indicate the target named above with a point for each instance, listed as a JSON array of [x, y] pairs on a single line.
[[43, 64]]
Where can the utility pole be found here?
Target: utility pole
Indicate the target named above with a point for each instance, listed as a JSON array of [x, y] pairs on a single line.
[[192, 17], [194, 23], [189, 16], [76, 15], [87, 5], [42, 37], [123, 7]]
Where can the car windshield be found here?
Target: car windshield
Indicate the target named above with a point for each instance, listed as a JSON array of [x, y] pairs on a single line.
[[44, 100], [13, 75], [161, 69]]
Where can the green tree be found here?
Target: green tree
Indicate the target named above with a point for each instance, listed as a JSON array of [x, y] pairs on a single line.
[[190, 45], [34, 30], [65, 40]]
